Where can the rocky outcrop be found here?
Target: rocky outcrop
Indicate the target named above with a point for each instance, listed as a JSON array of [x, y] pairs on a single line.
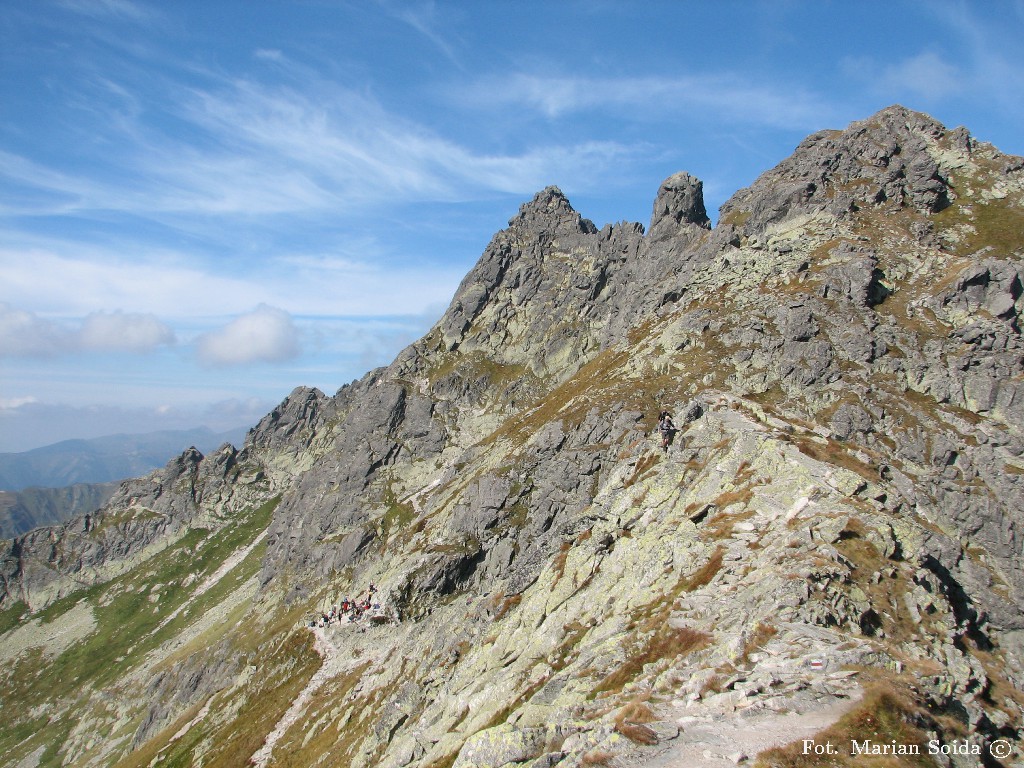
[[678, 208], [892, 159], [144, 516]]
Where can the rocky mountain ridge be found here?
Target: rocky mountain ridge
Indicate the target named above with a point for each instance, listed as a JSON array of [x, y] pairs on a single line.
[[836, 524]]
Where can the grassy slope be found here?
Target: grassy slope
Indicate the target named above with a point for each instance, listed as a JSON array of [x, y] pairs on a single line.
[[44, 697]]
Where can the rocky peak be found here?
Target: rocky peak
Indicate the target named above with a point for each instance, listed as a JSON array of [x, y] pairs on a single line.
[[895, 159], [680, 202], [534, 280], [550, 212], [301, 410]]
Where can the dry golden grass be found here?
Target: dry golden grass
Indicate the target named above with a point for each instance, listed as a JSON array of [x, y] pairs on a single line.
[[665, 643], [313, 736], [883, 717], [259, 713], [638, 734], [703, 575], [721, 526], [636, 711], [567, 649], [505, 604], [445, 762], [713, 684], [642, 466], [559, 561], [762, 633]]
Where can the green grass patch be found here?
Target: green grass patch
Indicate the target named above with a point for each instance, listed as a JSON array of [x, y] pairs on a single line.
[[998, 224], [397, 518], [285, 664], [316, 739], [129, 611], [736, 218], [121, 519], [589, 382], [13, 616]]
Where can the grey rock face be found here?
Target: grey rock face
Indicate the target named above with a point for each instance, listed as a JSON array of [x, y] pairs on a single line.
[[856, 277], [881, 161], [300, 414], [993, 286], [48, 563], [849, 420]]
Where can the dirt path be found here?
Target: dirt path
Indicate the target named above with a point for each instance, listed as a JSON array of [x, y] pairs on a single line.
[[327, 671], [720, 742]]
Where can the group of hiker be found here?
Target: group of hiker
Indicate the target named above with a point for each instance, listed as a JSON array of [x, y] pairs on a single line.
[[353, 610]]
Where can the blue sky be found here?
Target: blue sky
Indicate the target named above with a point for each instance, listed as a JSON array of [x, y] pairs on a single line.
[[206, 204]]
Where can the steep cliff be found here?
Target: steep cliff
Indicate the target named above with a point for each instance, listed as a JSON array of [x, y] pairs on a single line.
[[836, 525]]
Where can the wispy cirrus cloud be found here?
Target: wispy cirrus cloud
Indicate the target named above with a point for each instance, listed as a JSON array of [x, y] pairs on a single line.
[[422, 17], [121, 9], [71, 279], [925, 75], [346, 148], [976, 62], [33, 188], [258, 150], [993, 53], [715, 96]]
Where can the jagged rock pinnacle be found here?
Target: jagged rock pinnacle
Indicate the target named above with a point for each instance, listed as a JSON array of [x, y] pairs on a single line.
[[680, 201], [550, 210], [841, 499]]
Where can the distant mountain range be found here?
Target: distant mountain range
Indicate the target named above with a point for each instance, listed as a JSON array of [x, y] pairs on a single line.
[[104, 459], [48, 485], [21, 511]]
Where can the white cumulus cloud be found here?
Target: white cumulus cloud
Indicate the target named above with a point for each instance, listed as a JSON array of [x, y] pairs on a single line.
[[26, 334], [265, 335], [124, 332]]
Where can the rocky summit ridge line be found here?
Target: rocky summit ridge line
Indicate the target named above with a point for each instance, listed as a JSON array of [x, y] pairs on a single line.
[[831, 542]]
